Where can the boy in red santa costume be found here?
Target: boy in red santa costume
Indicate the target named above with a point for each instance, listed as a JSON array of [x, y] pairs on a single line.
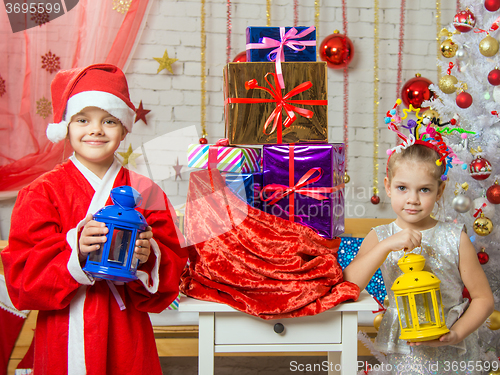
[[86, 325]]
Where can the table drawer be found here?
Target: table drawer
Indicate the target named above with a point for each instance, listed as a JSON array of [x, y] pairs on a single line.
[[233, 328]]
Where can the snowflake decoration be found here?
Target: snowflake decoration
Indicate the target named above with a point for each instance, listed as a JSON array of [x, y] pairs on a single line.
[[43, 107], [40, 17], [2, 86], [121, 6], [50, 62]]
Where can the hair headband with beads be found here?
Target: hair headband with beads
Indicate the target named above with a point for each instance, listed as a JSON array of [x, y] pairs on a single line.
[[429, 137]]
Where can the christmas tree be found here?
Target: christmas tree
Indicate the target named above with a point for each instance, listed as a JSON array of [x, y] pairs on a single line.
[[466, 110]]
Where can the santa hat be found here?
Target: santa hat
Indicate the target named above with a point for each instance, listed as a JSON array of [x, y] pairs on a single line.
[[99, 85]]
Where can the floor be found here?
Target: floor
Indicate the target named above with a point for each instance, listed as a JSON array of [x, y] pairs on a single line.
[[254, 365]]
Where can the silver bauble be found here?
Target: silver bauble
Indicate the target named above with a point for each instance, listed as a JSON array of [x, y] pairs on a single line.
[[461, 203]]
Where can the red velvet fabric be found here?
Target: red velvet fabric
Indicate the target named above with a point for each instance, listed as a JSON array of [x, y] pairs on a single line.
[[257, 263]]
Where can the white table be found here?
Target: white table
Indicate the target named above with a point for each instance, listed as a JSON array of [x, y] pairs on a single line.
[[223, 329]]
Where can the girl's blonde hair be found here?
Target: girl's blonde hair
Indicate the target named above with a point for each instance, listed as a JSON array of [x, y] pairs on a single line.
[[416, 153]]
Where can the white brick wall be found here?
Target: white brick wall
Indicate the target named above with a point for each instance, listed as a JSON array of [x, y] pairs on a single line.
[[174, 99]]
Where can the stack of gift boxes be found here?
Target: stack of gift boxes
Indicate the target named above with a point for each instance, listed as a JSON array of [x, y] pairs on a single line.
[[278, 99]]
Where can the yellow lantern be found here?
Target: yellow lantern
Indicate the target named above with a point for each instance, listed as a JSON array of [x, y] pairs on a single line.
[[418, 300]]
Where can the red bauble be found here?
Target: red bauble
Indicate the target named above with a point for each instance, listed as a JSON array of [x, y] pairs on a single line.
[[415, 91], [493, 193], [483, 257], [466, 294], [203, 141], [241, 57], [492, 5], [464, 21], [375, 199], [464, 100], [480, 168], [494, 76], [337, 50]]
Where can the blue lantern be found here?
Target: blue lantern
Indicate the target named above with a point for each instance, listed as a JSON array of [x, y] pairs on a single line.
[[113, 261]]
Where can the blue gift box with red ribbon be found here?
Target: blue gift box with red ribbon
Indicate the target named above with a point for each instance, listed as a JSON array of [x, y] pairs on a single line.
[[246, 186], [305, 183]]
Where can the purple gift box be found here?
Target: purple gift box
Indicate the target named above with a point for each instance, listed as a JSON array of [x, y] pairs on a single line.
[[305, 183]]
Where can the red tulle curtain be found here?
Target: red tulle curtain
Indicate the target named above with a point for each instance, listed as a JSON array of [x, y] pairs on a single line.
[[90, 32]]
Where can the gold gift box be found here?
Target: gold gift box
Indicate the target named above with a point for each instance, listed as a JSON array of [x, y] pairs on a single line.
[[245, 121]]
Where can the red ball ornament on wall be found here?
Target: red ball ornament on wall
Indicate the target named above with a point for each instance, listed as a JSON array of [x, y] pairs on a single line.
[[337, 50], [375, 199], [203, 141], [415, 91], [493, 193], [494, 76], [464, 21], [241, 57], [492, 5], [480, 169], [464, 100]]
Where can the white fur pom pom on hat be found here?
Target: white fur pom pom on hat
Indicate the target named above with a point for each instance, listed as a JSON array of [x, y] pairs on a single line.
[[57, 132], [100, 85]]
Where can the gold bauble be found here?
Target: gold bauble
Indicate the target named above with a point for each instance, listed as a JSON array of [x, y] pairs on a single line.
[[346, 178], [386, 302], [447, 84], [431, 114], [494, 373], [378, 320], [493, 321], [483, 226], [448, 48], [488, 46]]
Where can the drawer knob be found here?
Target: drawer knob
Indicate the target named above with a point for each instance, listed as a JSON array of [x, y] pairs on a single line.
[[279, 328]]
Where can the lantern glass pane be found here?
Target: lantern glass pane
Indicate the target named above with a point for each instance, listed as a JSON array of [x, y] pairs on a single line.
[[404, 312], [118, 251], [425, 309], [440, 305]]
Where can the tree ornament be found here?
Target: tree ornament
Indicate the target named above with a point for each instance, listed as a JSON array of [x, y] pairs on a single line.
[[480, 168], [494, 77], [431, 116], [375, 199], [481, 205], [347, 178], [483, 256], [415, 91], [447, 84], [493, 193], [203, 140], [464, 21], [492, 5], [337, 50], [462, 57], [129, 157], [241, 57], [482, 225], [464, 100], [378, 320], [493, 322], [488, 46], [461, 203], [448, 48]]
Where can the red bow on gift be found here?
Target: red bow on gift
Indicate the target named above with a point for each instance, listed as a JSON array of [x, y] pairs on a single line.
[[282, 102]]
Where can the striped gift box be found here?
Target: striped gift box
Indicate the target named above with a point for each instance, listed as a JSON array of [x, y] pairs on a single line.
[[229, 159]]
